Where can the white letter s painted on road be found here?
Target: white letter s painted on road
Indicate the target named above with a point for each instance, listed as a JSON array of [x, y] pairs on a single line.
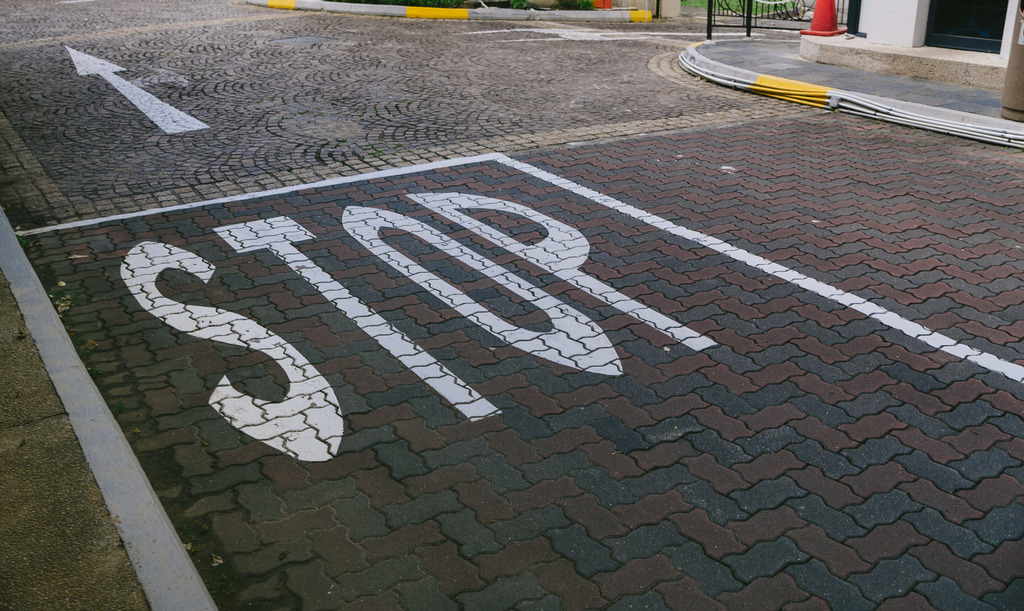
[[307, 424]]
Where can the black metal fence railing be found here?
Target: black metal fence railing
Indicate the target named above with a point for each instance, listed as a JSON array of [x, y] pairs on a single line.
[[765, 14]]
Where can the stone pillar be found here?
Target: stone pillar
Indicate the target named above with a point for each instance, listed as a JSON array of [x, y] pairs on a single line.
[[1013, 88]]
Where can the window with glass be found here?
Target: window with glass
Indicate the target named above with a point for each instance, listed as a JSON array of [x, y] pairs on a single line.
[[959, 24]]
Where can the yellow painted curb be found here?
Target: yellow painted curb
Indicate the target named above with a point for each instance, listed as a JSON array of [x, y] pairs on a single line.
[[640, 16], [794, 91], [423, 12], [281, 4]]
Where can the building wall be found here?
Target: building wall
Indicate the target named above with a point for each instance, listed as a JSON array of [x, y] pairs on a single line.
[[904, 23], [900, 23]]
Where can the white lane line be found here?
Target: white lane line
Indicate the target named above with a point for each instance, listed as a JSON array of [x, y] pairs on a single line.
[[586, 34], [892, 320], [330, 182], [544, 30]]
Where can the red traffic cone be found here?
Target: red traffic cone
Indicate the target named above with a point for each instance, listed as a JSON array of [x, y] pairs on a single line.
[[824, 22]]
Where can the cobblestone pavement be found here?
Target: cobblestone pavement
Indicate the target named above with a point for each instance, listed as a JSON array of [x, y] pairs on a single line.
[[378, 92], [752, 358]]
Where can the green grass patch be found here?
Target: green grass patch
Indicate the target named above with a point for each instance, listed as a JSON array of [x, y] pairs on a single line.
[[574, 5]]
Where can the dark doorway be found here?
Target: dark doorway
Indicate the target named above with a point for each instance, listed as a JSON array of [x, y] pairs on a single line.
[[974, 25]]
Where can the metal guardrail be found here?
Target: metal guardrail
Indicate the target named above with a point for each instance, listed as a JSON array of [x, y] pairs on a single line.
[[765, 14]]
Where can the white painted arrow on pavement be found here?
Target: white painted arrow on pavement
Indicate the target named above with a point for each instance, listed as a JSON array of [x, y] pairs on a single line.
[[166, 117]]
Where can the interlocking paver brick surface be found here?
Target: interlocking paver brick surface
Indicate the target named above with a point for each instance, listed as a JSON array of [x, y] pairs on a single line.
[[494, 431], [843, 490]]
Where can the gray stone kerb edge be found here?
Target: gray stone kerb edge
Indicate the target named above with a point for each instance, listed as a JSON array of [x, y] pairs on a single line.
[[605, 16], [968, 121], [162, 565]]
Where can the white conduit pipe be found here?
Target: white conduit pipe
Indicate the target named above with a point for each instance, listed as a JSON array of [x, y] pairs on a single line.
[[847, 102]]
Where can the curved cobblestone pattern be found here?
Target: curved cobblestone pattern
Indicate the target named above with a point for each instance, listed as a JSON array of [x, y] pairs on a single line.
[[385, 92], [26, 22]]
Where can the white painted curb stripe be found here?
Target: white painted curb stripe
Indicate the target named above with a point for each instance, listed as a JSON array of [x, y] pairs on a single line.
[[161, 563], [995, 130], [380, 10]]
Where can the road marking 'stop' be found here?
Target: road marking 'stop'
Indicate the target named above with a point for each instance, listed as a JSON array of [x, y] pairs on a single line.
[[867, 308]]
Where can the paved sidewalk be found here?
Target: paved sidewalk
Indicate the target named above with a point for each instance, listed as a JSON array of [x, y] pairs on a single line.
[[771, 69], [782, 59]]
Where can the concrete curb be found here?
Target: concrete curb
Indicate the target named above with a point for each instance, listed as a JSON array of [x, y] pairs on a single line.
[[951, 66], [477, 14], [944, 120], [163, 567]]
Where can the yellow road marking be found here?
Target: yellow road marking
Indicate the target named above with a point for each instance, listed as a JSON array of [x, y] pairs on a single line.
[[794, 91], [423, 12]]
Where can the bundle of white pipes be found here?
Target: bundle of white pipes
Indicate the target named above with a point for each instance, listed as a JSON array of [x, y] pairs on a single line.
[[966, 125]]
